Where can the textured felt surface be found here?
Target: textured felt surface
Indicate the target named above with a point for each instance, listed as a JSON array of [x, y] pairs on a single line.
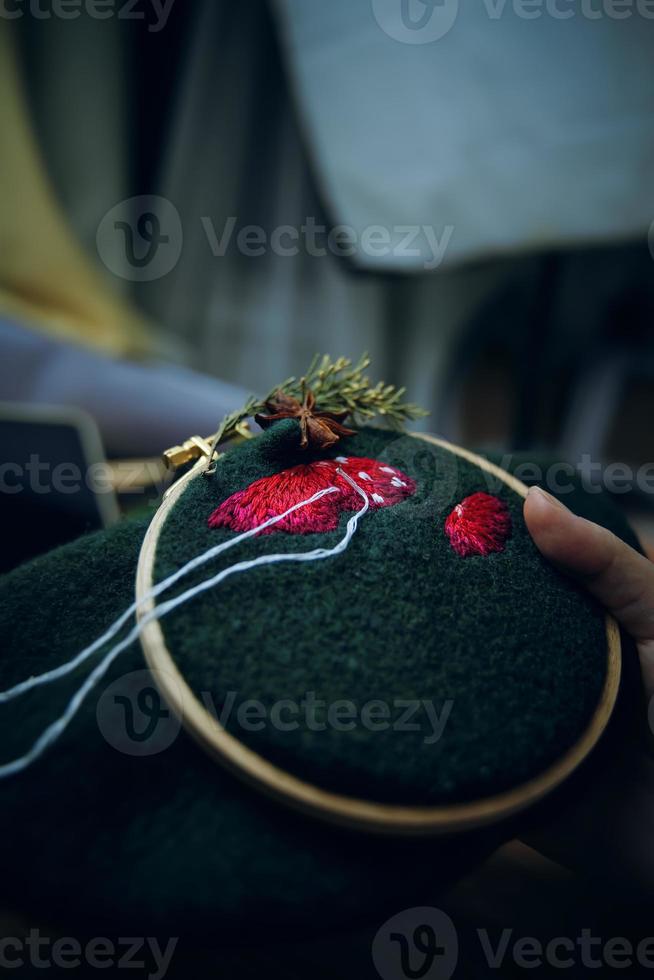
[[171, 842], [515, 649]]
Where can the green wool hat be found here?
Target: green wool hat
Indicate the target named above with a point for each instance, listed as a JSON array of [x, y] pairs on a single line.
[[341, 732]]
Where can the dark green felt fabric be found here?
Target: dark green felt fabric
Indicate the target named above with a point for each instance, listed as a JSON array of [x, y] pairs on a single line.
[[171, 842], [516, 649]]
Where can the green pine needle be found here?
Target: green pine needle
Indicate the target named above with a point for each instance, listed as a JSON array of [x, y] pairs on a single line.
[[339, 387]]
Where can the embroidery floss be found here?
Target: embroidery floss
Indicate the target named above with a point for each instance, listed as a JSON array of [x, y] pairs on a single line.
[[50, 735], [479, 525], [197, 562]]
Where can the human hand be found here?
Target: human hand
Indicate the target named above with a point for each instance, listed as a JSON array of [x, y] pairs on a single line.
[[606, 830], [620, 578]]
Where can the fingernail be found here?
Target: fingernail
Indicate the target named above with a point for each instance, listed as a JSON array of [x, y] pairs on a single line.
[[547, 497]]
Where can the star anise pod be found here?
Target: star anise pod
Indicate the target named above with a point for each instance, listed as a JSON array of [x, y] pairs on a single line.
[[320, 430]]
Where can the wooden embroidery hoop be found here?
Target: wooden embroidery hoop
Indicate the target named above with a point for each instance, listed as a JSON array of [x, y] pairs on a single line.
[[348, 811]]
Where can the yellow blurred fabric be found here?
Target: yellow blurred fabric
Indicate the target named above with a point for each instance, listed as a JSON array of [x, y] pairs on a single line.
[[45, 277]]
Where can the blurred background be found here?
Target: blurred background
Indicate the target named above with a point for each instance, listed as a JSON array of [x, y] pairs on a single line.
[[197, 196]]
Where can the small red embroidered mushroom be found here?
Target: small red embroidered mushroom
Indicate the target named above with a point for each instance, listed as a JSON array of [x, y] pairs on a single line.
[[272, 495], [479, 525]]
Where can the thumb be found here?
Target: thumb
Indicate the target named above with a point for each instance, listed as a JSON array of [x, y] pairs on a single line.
[[620, 578]]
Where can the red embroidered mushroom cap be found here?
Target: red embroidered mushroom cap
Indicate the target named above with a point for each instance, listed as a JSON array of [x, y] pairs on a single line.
[[272, 495]]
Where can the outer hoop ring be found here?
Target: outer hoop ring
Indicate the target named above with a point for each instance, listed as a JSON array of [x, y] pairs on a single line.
[[360, 814]]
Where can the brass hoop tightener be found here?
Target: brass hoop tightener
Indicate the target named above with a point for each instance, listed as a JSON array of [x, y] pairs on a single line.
[[198, 447]]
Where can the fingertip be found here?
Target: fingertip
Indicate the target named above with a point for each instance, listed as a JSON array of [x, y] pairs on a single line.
[[539, 497], [551, 524], [542, 511]]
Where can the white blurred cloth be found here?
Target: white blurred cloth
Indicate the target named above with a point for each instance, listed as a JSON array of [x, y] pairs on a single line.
[[518, 134], [522, 127], [140, 408]]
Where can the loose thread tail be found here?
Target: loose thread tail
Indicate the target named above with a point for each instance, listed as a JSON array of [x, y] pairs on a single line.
[[54, 731], [64, 669]]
